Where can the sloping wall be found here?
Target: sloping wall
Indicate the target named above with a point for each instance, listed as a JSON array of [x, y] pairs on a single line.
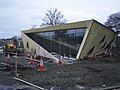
[[99, 39], [32, 47]]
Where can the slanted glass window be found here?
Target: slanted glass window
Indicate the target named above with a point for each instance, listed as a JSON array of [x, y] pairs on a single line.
[[63, 42]]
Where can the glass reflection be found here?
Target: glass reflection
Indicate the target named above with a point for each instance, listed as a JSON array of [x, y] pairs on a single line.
[[63, 42]]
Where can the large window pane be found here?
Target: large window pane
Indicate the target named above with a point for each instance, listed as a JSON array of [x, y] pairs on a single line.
[[63, 42]]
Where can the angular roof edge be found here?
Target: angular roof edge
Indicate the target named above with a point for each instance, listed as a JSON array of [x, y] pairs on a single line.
[[103, 25], [80, 24]]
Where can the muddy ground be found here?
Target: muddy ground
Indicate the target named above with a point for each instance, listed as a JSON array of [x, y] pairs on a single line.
[[88, 74]]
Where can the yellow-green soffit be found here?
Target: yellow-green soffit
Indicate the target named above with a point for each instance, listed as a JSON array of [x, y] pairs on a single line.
[[81, 24]]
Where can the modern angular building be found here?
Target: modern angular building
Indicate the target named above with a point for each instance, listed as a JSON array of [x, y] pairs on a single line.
[[74, 40]]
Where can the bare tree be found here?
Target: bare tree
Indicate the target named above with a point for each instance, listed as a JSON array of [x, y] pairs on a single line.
[[53, 17], [113, 21]]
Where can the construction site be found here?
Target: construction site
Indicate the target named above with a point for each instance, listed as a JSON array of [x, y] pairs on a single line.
[[76, 56]]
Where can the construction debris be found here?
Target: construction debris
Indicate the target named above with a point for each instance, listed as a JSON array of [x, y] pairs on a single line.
[[97, 73]]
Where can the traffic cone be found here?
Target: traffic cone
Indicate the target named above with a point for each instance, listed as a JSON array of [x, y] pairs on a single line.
[[60, 63], [31, 61], [8, 58], [41, 67]]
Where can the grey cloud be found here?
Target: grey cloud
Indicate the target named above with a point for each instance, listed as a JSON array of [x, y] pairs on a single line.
[[18, 15]]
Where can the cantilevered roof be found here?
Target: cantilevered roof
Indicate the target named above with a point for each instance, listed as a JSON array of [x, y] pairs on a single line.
[[81, 24]]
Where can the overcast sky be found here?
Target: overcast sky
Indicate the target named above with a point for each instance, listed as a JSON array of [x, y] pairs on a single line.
[[18, 15]]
